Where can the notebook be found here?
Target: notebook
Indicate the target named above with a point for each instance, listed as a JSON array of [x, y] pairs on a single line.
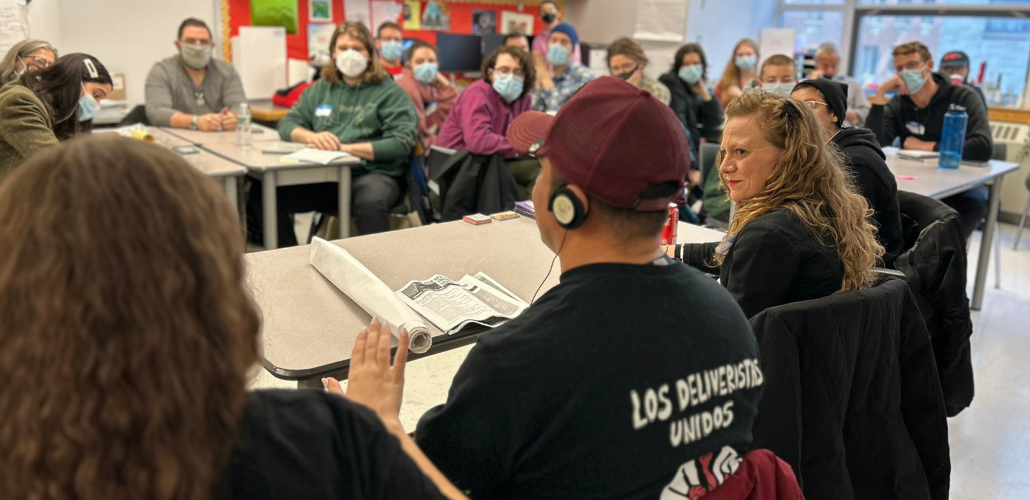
[[282, 148], [309, 155]]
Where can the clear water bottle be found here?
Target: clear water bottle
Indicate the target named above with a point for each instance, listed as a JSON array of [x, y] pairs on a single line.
[[953, 137], [243, 125]]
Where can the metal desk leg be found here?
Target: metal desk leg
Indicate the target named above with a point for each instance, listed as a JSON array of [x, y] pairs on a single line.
[[984, 261], [270, 209], [344, 194], [231, 192]]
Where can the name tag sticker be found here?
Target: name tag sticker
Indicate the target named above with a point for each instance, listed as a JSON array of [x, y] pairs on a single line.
[[324, 110], [915, 128]]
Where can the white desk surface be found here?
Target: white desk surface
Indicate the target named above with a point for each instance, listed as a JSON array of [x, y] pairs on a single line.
[[259, 134], [208, 163], [255, 159], [935, 182], [309, 326]]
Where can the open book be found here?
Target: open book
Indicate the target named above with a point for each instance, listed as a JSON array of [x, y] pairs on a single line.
[[452, 305]]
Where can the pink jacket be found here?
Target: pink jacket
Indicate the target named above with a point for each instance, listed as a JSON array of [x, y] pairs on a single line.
[[480, 119]]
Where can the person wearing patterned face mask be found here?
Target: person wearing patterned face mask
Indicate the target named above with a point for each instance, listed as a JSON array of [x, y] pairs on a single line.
[[778, 75], [390, 43], [430, 91], [558, 76], [192, 90], [358, 109], [915, 116]]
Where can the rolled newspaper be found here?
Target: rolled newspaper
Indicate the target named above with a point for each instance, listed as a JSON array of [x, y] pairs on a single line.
[[369, 292]]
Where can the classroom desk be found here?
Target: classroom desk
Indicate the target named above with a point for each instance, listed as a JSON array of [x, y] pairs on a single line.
[[309, 326], [937, 183], [273, 174], [259, 134]]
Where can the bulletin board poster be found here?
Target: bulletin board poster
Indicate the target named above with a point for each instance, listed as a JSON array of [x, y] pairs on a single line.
[[463, 17]]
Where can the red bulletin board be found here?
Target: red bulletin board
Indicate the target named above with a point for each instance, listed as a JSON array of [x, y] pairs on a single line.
[[236, 13]]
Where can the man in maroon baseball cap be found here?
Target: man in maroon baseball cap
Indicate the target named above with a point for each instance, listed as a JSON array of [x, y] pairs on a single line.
[[593, 391]]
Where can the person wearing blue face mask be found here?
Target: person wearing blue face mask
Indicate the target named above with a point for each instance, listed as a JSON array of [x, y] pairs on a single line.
[[390, 43], [430, 91], [47, 106], [558, 76], [695, 106], [740, 72], [915, 116]]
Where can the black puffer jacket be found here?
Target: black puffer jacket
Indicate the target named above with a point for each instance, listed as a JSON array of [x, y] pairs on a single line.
[[935, 269], [470, 184], [877, 183], [851, 400]]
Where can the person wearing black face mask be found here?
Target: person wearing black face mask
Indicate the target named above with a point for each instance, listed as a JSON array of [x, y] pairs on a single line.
[[551, 17], [626, 60]]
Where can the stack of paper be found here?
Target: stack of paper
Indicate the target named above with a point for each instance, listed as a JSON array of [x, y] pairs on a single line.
[[913, 154], [526, 209], [282, 148], [309, 155]]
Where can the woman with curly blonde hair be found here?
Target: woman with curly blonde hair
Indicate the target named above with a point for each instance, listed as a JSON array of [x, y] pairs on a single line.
[[126, 333], [801, 231]]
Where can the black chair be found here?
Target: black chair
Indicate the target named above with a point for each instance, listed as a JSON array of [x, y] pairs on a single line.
[[935, 269], [137, 115], [851, 398]]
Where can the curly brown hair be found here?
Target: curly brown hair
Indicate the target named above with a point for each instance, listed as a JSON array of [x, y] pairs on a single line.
[[126, 330], [525, 60], [810, 180]]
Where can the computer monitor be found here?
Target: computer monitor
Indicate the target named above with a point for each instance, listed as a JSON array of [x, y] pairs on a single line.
[[459, 53], [490, 43]]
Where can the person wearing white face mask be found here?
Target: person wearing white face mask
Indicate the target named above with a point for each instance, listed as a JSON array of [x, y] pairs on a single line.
[[358, 109], [559, 76], [191, 90], [915, 116], [779, 74], [47, 106], [430, 92]]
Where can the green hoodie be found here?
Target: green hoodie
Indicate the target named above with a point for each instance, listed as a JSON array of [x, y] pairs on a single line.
[[380, 113]]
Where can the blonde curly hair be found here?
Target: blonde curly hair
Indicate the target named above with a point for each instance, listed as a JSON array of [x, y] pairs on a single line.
[[810, 180]]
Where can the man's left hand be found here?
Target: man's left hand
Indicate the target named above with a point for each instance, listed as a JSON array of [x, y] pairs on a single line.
[[913, 143]]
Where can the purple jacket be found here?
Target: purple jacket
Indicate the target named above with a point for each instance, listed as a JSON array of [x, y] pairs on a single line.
[[480, 119]]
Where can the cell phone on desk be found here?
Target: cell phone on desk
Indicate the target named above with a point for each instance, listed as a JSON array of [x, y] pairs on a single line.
[[185, 150]]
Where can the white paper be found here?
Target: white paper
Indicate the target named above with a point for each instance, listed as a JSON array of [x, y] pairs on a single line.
[[915, 154], [776, 41], [452, 305], [370, 293], [385, 10], [312, 155], [283, 147], [514, 22], [259, 56], [319, 36], [358, 10], [14, 25], [661, 20]]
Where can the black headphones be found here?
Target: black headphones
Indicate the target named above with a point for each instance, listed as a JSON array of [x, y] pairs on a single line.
[[567, 208]]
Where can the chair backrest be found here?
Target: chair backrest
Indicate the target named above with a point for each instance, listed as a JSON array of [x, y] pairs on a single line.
[[1000, 151], [847, 379], [706, 158]]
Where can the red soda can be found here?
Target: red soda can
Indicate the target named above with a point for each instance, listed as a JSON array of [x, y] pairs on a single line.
[[671, 225]]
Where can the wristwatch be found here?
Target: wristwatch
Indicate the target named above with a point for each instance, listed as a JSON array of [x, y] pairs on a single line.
[[193, 124]]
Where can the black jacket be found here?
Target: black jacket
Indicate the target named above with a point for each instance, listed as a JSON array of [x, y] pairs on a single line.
[[774, 260], [851, 399], [877, 184], [470, 184], [935, 269], [894, 119], [702, 119]]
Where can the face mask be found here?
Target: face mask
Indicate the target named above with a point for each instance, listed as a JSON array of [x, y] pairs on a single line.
[[780, 89], [87, 106], [913, 80], [425, 73], [548, 17], [508, 86], [628, 74], [24, 69], [745, 62], [392, 50], [691, 73], [351, 63], [196, 56], [557, 55]]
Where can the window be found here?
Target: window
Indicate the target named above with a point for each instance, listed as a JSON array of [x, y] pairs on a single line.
[[814, 2], [813, 28], [942, 2], [998, 45]]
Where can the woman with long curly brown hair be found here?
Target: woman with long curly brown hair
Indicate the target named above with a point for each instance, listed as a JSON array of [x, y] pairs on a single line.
[[126, 333], [801, 231]]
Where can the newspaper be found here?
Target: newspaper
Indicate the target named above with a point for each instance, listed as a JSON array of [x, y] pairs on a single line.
[[452, 305]]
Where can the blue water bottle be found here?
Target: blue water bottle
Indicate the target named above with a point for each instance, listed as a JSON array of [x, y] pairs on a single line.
[[953, 137]]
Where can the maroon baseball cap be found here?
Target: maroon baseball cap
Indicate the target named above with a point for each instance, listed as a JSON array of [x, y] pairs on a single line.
[[613, 140]]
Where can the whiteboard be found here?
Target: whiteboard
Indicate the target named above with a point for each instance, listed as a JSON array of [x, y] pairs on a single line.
[[259, 56], [14, 24], [777, 41]]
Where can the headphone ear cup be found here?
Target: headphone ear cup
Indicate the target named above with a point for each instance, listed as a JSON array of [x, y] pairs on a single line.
[[567, 208]]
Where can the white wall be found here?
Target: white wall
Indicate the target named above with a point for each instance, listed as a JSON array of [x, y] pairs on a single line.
[[127, 36], [603, 21]]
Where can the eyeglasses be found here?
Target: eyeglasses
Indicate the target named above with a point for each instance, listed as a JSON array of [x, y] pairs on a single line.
[[504, 71], [813, 104], [37, 62]]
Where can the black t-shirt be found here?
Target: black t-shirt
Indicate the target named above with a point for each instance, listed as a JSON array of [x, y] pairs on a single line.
[[312, 444], [608, 387]]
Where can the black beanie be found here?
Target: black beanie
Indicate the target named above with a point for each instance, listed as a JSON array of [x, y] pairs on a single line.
[[835, 93]]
